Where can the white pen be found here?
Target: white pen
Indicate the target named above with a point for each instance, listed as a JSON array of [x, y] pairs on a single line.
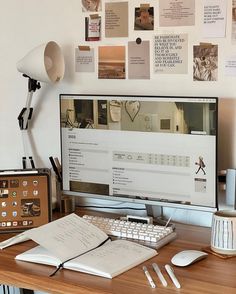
[[172, 275], [159, 274], [149, 278]]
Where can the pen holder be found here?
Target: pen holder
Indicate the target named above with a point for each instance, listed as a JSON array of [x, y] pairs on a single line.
[[223, 235]]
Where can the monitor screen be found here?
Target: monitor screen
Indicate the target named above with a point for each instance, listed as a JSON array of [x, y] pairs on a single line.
[[144, 149]]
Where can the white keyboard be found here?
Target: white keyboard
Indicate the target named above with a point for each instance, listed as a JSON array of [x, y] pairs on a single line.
[[147, 234]]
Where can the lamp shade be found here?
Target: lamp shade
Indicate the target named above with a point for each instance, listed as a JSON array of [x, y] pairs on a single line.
[[44, 63]]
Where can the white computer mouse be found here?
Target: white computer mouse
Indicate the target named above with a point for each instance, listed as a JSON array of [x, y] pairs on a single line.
[[187, 257]]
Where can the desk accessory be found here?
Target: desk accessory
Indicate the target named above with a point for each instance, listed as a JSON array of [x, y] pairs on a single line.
[[24, 199], [171, 274], [187, 257], [149, 278], [44, 63], [223, 235], [159, 274], [208, 249]]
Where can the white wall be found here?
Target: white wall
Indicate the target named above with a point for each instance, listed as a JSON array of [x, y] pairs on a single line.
[[25, 24]]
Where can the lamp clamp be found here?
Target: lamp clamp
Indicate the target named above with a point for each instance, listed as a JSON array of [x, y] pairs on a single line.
[[33, 85], [22, 118]]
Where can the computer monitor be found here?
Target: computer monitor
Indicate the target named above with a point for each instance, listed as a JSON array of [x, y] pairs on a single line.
[[154, 150]]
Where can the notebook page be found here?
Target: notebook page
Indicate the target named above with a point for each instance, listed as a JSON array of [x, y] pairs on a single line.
[[111, 259], [67, 237]]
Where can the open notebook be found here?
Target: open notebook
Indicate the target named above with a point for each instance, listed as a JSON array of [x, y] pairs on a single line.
[[73, 243]]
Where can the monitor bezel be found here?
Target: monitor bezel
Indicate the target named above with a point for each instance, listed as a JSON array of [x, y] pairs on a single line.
[[138, 200]]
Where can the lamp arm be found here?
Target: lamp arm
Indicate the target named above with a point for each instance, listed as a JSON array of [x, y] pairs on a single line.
[[26, 113], [23, 119]]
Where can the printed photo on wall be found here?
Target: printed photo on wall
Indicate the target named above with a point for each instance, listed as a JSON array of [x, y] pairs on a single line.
[[233, 31], [144, 18], [111, 62], [205, 62], [91, 5], [93, 28]]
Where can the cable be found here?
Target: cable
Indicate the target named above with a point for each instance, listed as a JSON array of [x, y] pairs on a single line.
[[109, 207]]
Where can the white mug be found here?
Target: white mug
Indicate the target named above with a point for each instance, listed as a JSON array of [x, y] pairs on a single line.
[[223, 234]]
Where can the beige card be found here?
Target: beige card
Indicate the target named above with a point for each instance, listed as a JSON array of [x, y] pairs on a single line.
[[139, 60], [177, 13], [171, 54], [116, 19], [84, 59]]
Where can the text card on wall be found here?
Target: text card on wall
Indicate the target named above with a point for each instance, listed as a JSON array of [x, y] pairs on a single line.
[[177, 13], [84, 59], [116, 19], [214, 18], [171, 54], [139, 59]]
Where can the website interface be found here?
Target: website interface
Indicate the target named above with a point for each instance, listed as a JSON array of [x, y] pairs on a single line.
[[154, 148]]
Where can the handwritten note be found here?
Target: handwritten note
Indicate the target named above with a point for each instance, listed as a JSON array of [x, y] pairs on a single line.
[[113, 258], [67, 237]]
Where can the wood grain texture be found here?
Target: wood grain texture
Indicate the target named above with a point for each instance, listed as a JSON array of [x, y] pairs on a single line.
[[211, 275]]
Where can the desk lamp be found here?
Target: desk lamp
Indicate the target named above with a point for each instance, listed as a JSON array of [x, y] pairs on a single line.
[[44, 63]]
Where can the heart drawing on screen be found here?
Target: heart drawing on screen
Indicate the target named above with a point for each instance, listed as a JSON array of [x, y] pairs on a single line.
[[132, 108]]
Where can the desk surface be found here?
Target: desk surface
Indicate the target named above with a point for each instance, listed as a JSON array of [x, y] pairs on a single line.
[[211, 275]]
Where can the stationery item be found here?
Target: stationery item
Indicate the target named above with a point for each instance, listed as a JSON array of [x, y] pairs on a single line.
[[13, 240], [149, 278], [73, 243], [171, 274], [58, 165], [159, 274], [54, 166]]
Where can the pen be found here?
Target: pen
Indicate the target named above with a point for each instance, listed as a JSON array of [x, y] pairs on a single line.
[[58, 165], [55, 168], [149, 278], [172, 275], [159, 274]]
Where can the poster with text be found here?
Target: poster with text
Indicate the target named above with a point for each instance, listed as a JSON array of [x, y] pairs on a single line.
[[171, 54], [116, 19], [84, 60], [111, 62], [177, 13], [139, 60], [205, 62], [214, 18]]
